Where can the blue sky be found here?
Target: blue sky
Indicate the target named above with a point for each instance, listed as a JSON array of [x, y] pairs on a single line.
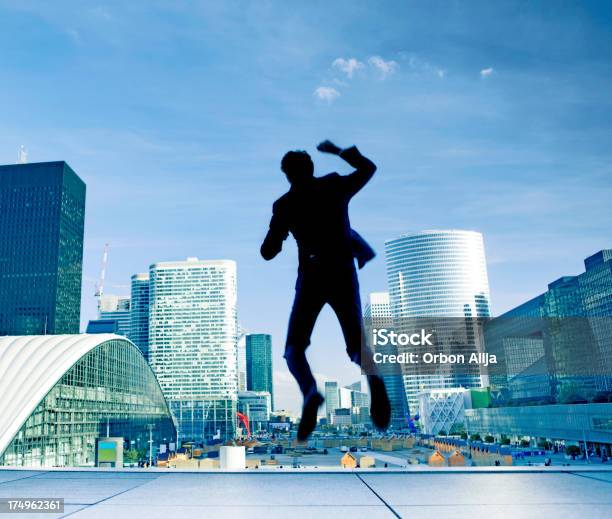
[[493, 116]]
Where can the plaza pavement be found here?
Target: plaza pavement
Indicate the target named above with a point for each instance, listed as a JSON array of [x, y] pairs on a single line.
[[418, 492]]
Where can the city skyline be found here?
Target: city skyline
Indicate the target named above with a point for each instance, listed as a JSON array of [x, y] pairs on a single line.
[[180, 153], [399, 255]]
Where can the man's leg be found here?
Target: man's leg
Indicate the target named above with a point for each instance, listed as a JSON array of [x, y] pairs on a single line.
[[307, 305], [346, 303], [306, 308]]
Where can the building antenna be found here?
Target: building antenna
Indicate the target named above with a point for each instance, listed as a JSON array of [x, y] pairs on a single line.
[[22, 155], [100, 284]]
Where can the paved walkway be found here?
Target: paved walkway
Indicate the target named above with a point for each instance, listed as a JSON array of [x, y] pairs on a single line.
[[412, 494]]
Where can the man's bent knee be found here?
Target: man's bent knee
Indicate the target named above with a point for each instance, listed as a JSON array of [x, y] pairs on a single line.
[[294, 354]]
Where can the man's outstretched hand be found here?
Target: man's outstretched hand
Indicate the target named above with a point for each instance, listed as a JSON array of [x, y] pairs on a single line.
[[329, 147]]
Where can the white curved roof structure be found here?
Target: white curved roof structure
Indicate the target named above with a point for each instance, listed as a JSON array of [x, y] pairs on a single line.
[[29, 368]]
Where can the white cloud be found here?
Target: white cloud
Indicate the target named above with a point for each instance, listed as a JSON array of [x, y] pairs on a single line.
[[385, 68], [486, 72], [348, 66], [421, 66], [328, 94]]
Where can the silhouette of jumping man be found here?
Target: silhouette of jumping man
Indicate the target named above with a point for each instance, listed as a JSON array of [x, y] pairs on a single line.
[[315, 211]]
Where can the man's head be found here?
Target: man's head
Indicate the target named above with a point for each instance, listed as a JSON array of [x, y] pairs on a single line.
[[298, 166]]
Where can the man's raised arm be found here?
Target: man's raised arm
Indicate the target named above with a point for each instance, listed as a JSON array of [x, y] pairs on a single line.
[[364, 167]]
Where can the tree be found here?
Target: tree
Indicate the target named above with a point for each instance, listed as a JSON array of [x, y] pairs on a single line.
[[545, 444], [442, 433], [464, 435], [572, 450], [456, 429], [132, 456], [475, 437], [489, 439]]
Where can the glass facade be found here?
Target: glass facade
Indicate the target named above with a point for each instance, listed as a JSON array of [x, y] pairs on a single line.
[[557, 347], [579, 423], [139, 313], [437, 274], [192, 344], [42, 211], [110, 391], [332, 398], [259, 363]]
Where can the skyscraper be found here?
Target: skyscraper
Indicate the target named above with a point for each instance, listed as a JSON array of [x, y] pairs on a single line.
[[259, 363], [116, 308], [139, 313], [439, 274], [42, 211], [377, 315], [344, 397], [192, 343], [332, 398], [241, 360]]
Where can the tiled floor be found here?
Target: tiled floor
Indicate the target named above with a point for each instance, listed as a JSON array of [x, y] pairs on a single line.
[[294, 495]]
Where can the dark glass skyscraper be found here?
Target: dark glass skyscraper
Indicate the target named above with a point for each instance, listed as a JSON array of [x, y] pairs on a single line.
[[139, 313], [259, 363], [42, 213]]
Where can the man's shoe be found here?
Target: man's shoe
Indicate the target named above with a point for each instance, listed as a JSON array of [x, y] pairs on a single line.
[[380, 407], [309, 415]]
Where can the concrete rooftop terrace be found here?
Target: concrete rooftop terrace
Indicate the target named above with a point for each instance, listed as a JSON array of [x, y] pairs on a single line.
[[423, 493]]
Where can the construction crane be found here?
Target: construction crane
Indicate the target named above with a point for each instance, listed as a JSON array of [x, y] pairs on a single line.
[[100, 284]]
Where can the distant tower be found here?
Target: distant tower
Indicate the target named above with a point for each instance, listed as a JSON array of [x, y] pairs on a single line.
[[22, 155], [139, 313], [116, 308], [332, 398], [259, 363], [242, 362]]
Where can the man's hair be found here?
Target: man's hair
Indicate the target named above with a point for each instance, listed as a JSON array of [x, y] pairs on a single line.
[[297, 165]]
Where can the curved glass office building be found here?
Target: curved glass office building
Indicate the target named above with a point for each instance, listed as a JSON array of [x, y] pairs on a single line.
[[439, 274], [60, 393]]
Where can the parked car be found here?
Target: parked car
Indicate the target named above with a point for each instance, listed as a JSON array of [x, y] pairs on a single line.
[[353, 449], [344, 448]]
